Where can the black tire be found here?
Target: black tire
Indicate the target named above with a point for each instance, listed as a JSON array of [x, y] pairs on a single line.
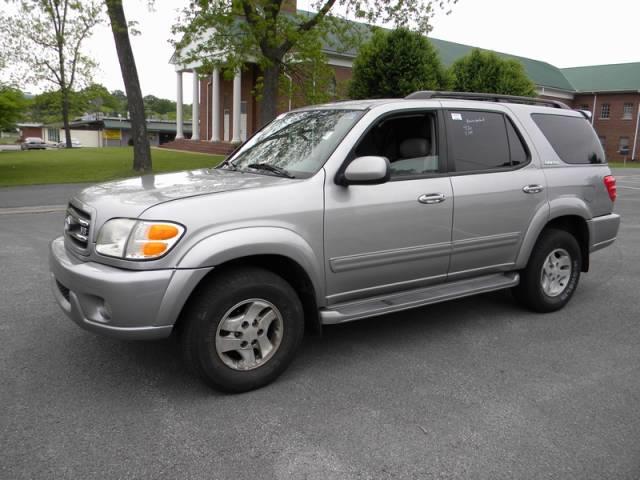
[[207, 308], [530, 291]]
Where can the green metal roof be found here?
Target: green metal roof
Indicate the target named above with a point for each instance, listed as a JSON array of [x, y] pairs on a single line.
[[619, 77], [541, 73], [152, 126]]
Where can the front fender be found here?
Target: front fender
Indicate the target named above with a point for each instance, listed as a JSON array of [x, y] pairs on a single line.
[[558, 207], [246, 242]]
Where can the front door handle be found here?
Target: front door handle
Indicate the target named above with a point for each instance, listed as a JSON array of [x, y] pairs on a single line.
[[532, 188], [431, 198]]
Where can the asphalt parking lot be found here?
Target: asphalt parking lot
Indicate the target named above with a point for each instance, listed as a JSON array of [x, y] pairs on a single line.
[[472, 389]]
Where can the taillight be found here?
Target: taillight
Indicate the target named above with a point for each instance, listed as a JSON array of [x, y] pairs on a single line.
[[610, 183]]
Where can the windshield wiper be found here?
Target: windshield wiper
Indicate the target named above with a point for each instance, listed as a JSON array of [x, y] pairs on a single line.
[[270, 168], [227, 163]]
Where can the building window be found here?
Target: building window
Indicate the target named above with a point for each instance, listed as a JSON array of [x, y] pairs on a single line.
[[603, 142], [332, 89], [53, 135], [623, 146], [627, 111], [605, 110]]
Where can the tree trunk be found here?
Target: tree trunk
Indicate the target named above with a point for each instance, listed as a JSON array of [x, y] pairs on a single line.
[[65, 117], [269, 106], [141, 150]]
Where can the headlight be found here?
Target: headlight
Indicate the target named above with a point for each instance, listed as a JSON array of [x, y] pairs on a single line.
[[137, 239]]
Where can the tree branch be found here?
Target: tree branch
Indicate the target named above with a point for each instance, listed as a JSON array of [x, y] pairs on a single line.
[[54, 71], [308, 25]]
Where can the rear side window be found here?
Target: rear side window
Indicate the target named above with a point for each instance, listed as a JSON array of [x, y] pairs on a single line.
[[572, 138], [483, 141]]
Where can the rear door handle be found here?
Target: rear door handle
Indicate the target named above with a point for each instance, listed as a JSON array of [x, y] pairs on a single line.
[[431, 198], [532, 188]]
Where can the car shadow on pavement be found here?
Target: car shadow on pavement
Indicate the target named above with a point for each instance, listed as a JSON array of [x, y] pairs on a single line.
[[158, 365]]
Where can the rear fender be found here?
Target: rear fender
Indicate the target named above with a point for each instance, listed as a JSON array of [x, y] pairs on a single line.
[[559, 207]]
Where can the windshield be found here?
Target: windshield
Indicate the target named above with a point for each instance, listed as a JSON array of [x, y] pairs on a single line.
[[296, 144]]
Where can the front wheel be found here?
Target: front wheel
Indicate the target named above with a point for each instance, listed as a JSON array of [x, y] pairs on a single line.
[[552, 274], [242, 329]]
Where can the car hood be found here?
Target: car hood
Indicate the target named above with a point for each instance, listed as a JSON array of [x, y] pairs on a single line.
[[131, 197]]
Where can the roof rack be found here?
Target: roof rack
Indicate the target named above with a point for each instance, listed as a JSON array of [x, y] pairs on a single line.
[[487, 97]]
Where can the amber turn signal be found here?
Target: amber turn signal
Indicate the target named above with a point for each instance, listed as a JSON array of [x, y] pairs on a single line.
[[153, 249], [162, 231]]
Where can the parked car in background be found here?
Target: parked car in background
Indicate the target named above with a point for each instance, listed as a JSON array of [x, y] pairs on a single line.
[[75, 143], [33, 143]]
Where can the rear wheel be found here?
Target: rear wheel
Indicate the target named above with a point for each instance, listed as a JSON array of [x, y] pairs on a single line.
[[552, 274], [242, 329]]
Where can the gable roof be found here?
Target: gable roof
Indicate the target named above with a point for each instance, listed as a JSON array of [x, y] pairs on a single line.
[[620, 77]]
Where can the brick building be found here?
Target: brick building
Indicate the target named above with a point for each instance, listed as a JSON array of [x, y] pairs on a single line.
[[228, 112]]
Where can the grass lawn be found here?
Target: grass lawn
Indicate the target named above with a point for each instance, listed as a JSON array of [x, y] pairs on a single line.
[[622, 165], [89, 164]]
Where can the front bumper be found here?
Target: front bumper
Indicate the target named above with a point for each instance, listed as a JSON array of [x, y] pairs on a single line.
[[603, 231], [141, 305]]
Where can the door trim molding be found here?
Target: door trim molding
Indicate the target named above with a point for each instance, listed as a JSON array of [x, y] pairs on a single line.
[[386, 257]]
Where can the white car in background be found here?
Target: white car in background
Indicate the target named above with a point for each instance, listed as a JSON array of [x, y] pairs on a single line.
[[33, 143], [75, 143]]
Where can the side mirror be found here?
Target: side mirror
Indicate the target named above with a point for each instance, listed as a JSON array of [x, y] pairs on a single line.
[[368, 170]]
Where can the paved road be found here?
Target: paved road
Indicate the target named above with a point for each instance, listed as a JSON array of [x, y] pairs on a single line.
[[38, 195], [471, 389]]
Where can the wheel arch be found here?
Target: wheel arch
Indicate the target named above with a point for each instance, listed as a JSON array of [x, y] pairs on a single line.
[[571, 218], [278, 250]]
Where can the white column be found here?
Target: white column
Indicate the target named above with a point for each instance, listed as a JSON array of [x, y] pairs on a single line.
[[635, 136], [215, 105], [237, 83], [195, 115], [179, 122]]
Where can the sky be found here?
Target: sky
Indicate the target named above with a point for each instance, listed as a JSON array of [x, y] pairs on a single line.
[[565, 33]]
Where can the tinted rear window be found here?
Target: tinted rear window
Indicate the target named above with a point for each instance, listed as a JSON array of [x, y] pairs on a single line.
[[572, 138]]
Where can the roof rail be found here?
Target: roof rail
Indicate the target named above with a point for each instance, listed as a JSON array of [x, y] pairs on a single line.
[[487, 97]]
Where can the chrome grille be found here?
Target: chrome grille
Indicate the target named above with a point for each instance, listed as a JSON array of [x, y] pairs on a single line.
[[77, 224]]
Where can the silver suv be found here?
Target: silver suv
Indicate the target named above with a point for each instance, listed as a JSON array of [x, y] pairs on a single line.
[[335, 213]]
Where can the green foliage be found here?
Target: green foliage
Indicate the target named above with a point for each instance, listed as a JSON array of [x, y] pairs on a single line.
[[155, 106], [96, 98], [12, 105], [396, 63], [45, 40], [486, 72], [46, 107], [225, 33]]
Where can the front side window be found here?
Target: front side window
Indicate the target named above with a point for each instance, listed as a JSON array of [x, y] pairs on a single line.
[[483, 141], [627, 111], [297, 143], [605, 110], [408, 140], [572, 138]]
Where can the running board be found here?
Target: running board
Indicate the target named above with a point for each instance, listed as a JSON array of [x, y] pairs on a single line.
[[395, 302]]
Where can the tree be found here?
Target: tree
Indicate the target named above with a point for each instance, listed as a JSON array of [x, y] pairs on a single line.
[[96, 98], [394, 64], [486, 72], [158, 106], [45, 107], [226, 33], [120, 29], [12, 106], [45, 38]]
